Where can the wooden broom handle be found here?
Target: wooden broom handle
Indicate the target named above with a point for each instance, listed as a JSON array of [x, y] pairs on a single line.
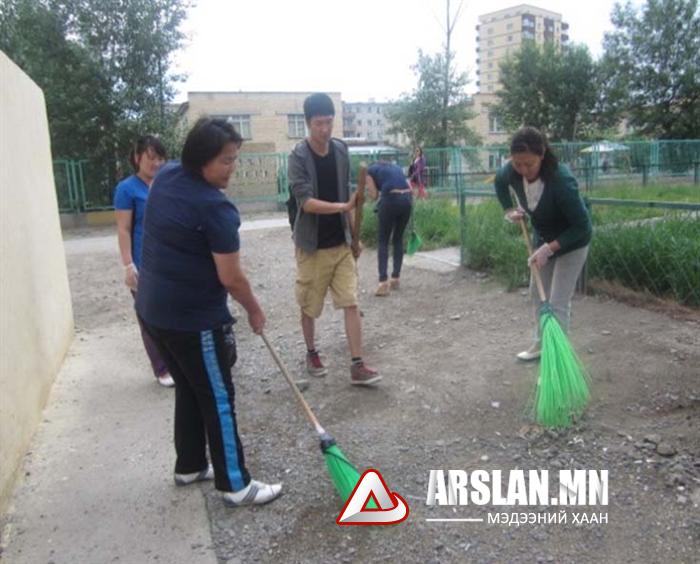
[[533, 268], [359, 203], [294, 387]]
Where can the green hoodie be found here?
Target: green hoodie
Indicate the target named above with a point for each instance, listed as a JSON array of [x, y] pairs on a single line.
[[560, 214]]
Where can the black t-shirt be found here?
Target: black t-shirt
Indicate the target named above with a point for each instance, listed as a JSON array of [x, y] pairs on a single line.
[[330, 227]]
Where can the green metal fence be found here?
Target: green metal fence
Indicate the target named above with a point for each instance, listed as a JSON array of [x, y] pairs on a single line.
[[84, 185], [652, 247]]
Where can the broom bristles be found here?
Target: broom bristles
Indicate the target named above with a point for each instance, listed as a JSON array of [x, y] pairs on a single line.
[[342, 472], [562, 390]]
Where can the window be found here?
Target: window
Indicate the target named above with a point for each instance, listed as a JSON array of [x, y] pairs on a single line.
[[495, 161], [369, 122], [489, 30], [379, 110], [241, 122], [490, 53], [359, 122], [509, 26], [490, 65], [494, 124], [296, 125], [510, 38]]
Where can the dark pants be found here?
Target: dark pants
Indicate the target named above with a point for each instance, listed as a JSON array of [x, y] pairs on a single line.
[[394, 213], [199, 361], [157, 363]]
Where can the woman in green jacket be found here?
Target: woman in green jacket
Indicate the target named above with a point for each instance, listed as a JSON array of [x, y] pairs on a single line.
[[547, 192]]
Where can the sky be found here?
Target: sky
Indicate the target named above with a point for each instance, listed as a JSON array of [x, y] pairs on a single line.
[[361, 48]]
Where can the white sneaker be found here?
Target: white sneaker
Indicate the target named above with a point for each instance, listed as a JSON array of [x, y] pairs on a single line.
[[533, 353], [187, 479], [255, 493], [166, 380]]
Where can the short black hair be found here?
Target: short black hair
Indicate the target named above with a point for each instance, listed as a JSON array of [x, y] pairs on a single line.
[[206, 140], [144, 143], [531, 140], [318, 104]]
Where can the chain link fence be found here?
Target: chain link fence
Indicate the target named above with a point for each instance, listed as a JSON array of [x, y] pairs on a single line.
[[84, 185]]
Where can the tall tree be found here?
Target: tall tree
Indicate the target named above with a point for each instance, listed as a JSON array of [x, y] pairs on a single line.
[[651, 68], [436, 113], [104, 66], [34, 37], [551, 88]]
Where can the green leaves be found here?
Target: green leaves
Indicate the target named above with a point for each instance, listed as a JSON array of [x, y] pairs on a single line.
[[650, 72], [104, 67], [551, 88], [435, 114]]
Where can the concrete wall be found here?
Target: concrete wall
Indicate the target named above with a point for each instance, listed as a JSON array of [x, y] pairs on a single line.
[[36, 316]]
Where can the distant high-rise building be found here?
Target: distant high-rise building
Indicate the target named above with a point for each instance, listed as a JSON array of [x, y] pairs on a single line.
[[502, 33]]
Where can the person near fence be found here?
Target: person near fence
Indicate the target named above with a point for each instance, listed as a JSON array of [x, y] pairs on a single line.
[[416, 173], [147, 156], [319, 174], [190, 262], [548, 194], [387, 182]]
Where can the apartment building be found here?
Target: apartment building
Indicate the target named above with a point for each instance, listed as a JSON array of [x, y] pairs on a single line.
[[368, 121], [500, 34], [269, 122]]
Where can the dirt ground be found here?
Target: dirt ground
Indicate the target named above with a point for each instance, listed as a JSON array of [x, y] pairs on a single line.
[[452, 397]]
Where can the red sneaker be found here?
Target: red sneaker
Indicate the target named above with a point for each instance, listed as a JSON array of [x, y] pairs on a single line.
[[314, 366], [363, 375]]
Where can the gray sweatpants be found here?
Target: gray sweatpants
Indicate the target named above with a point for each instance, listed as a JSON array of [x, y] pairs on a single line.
[[559, 278]]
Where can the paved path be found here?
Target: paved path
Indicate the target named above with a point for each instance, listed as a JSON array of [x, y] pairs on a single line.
[[97, 486]]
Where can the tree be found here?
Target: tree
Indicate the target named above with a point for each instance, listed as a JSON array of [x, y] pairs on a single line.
[[34, 36], [436, 113], [651, 68], [103, 66], [551, 88]]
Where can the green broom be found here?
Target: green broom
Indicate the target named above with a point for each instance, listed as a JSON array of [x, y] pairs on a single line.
[[562, 387], [414, 240], [343, 474]]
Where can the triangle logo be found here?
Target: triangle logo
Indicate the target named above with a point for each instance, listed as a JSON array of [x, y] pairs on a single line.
[[371, 503]]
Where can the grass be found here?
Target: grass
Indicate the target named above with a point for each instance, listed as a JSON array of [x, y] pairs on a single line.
[[665, 193], [645, 249], [650, 250], [436, 221]]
